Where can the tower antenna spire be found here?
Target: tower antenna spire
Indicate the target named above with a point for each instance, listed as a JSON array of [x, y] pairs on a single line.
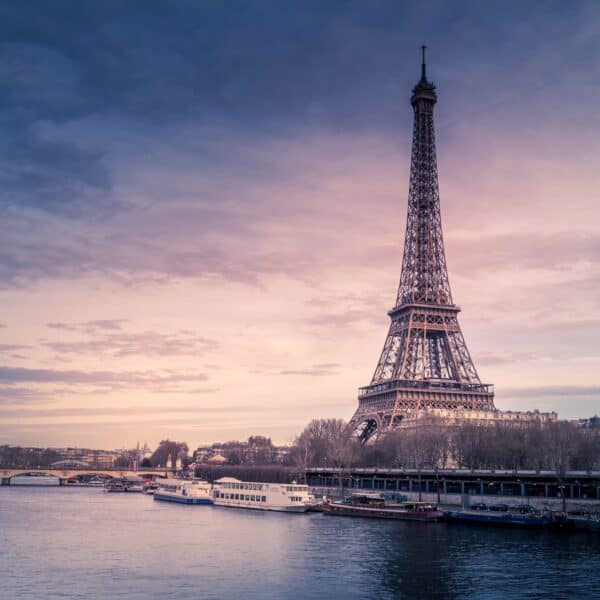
[[423, 76]]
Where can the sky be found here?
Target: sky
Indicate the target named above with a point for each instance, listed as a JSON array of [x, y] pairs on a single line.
[[203, 208]]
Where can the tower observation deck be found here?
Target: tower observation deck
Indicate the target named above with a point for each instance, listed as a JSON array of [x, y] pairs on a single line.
[[424, 362]]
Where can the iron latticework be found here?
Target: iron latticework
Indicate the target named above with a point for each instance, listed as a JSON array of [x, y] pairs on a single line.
[[425, 362]]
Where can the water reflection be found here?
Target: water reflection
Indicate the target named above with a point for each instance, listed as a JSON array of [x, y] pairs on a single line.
[[83, 543], [416, 565]]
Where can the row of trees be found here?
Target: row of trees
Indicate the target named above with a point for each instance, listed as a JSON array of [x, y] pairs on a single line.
[[15, 456], [559, 446], [258, 450], [166, 449]]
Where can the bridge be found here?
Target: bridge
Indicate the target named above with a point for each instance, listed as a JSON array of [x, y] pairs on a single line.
[[64, 474]]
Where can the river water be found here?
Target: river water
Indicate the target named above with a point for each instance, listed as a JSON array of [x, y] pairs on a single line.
[[61, 542]]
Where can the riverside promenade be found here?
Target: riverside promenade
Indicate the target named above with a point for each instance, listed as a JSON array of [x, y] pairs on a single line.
[[573, 490]]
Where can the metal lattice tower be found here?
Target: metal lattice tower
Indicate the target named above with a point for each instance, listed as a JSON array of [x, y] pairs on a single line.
[[425, 362]]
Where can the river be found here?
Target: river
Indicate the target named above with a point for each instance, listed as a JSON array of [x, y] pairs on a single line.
[[67, 542]]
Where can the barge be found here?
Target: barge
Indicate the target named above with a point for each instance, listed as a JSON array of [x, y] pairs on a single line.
[[181, 491], [524, 516], [375, 506]]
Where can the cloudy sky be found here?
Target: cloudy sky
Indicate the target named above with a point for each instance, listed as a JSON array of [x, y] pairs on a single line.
[[203, 208]]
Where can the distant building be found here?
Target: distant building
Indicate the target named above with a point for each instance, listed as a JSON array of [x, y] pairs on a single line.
[[202, 454], [217, 459], [281, 454], [444, 416], [257, 450], [95, 458], [69, 463], [590, 423]]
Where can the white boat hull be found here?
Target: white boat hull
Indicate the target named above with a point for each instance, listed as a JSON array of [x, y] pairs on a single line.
[[279, 497], [252, 506], [181, 499]]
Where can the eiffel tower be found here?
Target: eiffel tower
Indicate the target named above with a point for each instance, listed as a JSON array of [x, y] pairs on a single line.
[[425, 363]]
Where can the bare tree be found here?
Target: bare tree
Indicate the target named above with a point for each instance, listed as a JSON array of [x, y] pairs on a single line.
[[168, 448], [325, 442], [470, 443], [562, 438], [587, 455], [424, 447]]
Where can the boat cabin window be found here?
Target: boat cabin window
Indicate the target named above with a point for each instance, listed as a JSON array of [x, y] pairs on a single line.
[[364, 500]]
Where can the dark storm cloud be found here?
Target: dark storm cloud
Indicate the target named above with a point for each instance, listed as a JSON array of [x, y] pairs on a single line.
[[63, 62], [78, 78], [38, 84], [255, 65]]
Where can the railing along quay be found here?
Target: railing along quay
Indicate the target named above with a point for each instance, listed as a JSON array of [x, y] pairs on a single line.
[[525, 484]]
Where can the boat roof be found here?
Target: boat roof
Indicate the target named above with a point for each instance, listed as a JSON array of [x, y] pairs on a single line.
[[170, 481], [367, 495], [228, 480]]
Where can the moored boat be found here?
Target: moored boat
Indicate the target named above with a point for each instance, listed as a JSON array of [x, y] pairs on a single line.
[[114, 485], [517, 517], [283, 497], [194, 491], [586, 522], [375, 506], [124, 484], [150, 487], [134, 487]]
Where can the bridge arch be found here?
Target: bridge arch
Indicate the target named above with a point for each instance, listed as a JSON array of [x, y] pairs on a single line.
[[35, 472], [63, 474], [152, 474]]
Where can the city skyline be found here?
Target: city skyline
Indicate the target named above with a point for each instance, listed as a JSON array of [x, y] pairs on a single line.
[[195, 253]]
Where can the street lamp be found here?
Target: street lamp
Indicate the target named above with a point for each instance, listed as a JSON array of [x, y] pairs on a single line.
[[561, 487], [437, 485]]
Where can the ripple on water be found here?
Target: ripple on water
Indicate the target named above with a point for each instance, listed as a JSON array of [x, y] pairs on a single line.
[[83, 543]]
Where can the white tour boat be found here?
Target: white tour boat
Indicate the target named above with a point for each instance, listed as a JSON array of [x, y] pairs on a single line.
[[284, 497], [193, 491]]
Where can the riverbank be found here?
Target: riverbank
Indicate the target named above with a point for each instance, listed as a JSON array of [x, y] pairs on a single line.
[[452, 501]]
